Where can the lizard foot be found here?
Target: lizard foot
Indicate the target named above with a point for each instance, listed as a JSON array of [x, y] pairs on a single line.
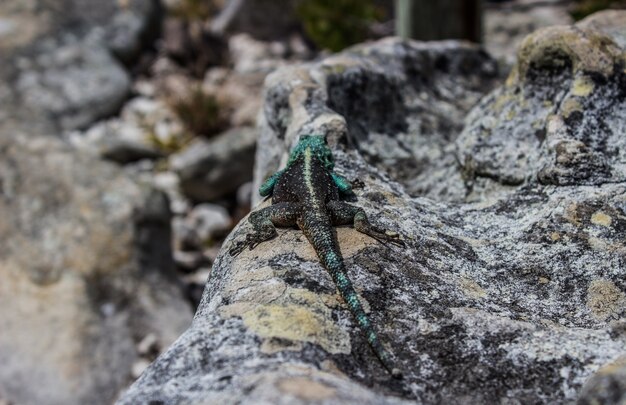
[[237, 248], [252, 241], [385, 236]]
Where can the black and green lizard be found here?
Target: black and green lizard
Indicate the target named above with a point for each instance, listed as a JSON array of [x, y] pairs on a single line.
[[306, 193]]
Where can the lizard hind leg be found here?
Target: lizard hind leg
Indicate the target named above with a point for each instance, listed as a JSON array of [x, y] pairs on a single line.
[[264, 223], [342, 213]]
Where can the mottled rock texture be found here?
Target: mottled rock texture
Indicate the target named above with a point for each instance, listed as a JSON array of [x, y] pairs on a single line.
[[63, 60], [512, 286], [86, 270]]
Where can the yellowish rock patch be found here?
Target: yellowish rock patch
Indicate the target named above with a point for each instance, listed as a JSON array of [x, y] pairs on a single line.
[[299, 323], [600, 218], [605, 300], [582, 86], [471, 288]]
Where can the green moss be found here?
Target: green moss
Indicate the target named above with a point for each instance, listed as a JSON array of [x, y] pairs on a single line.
[[199, 112], [336, 24]]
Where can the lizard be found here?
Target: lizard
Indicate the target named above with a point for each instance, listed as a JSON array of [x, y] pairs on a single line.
[[307, 194]]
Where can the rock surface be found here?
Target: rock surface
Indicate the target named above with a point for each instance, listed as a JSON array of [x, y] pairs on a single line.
[[86, 270], [512, 286], [63, 60]]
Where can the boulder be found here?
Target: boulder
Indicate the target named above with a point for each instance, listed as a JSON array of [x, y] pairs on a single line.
[[62, 61], [509, 290], [87, 274], [558, 120]]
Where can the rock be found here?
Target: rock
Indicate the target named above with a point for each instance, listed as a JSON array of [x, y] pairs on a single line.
[[507, 24], [237, 94], [69, 86], [510, 297], [191, 44], [211, 168], [139, 367], [238, 90], [250, 55], [607, 386], [145, 129], [608, 22], [168, 182], [189, 261], [148, 345], [209, 220], [117, 141], [244, 195], [185, 238], [62, 65], [202, 226], [558, 120], [86, 273]]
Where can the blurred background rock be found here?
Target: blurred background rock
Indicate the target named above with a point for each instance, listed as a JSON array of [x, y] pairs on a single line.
[[127, 145]]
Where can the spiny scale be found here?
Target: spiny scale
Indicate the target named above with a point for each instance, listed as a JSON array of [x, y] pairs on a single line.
[[306, 193]]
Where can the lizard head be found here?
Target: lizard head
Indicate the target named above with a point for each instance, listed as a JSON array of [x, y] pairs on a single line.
[[318, 148]]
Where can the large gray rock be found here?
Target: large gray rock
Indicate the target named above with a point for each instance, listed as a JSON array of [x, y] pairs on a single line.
[[62, 60], [87, 273], [559, 118], [514, 295]]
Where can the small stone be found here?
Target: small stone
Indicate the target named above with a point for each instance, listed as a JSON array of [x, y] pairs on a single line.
[[244, 195], [209, 221], [188, 261], [139, 367], [148, 344], [184, 235]]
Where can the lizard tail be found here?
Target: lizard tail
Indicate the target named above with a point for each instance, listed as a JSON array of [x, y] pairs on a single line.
[[327, 248]]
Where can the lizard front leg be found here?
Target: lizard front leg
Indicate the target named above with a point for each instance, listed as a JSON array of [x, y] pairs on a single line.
[[264, 222], [342, 213]]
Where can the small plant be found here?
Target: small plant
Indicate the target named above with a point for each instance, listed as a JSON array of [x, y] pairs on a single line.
[[583, 8], [336, 24], [171, 144], [199, 112], [194, 10]]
